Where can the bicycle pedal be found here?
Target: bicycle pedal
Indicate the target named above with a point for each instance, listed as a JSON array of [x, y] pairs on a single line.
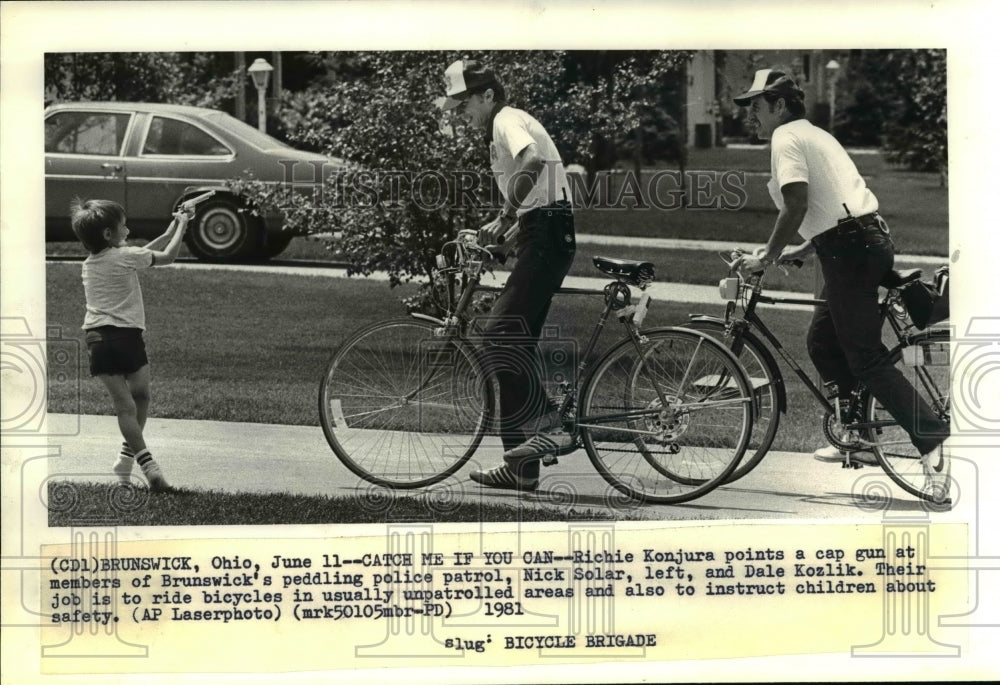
[[550, 460], [851, 465]]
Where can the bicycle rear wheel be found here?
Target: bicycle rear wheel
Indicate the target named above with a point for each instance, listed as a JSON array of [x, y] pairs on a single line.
[[765, 379], [927, 365], [669, 422], [401, 407]]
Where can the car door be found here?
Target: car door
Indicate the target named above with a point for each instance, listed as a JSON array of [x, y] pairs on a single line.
[[173, 155], [83, 158]]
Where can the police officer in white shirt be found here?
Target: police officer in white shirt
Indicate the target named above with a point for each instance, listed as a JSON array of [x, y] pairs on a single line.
[[531, 177], [821, 196]]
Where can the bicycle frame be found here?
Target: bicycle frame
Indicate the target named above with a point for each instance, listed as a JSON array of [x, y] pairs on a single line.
[[754, 321], [751, 319]]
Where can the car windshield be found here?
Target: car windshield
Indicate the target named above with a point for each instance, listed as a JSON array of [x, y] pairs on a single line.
[[245, 131]]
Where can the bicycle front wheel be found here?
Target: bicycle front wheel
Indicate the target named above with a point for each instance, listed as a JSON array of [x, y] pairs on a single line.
[[765, 379], [669, 421], [926, 362], [401, 407]]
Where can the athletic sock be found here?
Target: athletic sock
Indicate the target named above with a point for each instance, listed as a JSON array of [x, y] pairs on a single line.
[[151, 470], [123, 465], [143, 457]]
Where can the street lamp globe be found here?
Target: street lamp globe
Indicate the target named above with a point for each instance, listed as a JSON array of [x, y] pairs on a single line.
[[260, 72], [833, 67]]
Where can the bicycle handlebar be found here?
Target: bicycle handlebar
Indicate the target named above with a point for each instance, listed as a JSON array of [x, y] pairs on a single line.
[[467, 239], [735, 283], [738, 252]]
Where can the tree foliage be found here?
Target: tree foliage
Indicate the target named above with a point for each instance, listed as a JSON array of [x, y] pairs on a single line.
[[398, 198], [918, 136], [188, 78], [899, 102]]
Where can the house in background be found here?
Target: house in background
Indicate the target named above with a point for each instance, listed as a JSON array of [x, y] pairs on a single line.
[[715, 76]]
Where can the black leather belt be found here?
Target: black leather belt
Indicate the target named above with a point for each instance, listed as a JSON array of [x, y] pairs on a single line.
[[529, 219], [852, 226]]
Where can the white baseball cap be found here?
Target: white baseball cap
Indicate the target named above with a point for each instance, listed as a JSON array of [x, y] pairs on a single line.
[[769, 81], [464, 78]]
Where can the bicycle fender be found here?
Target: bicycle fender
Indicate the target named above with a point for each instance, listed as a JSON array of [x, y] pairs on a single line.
[[765, 353]]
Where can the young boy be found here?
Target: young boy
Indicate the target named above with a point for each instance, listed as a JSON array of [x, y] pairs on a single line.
[[115, 320]]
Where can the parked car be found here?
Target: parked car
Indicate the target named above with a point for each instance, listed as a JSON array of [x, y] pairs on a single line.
[[152, 157]]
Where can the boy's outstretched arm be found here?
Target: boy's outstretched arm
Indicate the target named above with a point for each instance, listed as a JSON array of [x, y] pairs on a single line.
[[160, 241], [173, 237]]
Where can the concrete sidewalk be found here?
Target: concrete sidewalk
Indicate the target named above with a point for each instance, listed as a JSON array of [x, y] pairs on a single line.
[[261, 458]]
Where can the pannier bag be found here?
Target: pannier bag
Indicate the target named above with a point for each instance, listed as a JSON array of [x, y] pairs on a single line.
[[927, 303]]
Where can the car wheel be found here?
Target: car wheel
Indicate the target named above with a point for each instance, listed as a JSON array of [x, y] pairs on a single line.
[[221, 231]]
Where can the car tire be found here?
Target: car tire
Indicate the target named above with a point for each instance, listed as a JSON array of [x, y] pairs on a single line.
[[222, 231]]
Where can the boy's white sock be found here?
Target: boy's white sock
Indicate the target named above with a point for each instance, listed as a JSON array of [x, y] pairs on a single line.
[[151, 470], [123, 468]]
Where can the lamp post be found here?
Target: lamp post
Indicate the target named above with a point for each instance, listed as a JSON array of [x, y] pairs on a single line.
[[260, 72], [833, 68]]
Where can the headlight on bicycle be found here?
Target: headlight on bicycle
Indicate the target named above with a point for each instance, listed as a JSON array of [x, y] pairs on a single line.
[[729, 287]]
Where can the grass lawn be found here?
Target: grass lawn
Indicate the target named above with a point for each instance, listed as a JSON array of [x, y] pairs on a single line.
[[252, 347], [915, 206], [137, 507]]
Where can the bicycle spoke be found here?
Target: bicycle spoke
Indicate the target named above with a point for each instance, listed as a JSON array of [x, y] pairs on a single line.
[[651, 430], [891, 444], [400, 407]]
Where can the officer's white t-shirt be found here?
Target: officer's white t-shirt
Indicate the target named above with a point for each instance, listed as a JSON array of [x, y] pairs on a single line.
[[801, 152], [514, 130], [111, 285]]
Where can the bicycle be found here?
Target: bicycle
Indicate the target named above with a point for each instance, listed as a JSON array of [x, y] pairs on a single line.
[[664, 414], [861, 425]]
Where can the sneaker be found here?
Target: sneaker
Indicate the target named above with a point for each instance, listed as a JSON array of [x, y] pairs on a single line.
[[151, 470], [541, 445], [937, 474], [502, 477], [833, 455], [123, 469], [829, 454]]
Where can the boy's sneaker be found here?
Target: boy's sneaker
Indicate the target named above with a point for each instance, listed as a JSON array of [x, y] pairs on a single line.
[[833, 455], [937, 474], [151, 470], [502, 477], [123, 469]]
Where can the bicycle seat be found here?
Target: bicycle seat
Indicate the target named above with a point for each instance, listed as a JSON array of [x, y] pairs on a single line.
[[897, 279], [632, 272]]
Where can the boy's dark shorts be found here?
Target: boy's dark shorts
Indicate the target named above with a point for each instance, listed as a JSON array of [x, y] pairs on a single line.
[[115, 351]]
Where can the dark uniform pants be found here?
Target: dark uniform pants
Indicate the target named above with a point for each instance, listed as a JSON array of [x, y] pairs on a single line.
[[845, 337], [545, 249]]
